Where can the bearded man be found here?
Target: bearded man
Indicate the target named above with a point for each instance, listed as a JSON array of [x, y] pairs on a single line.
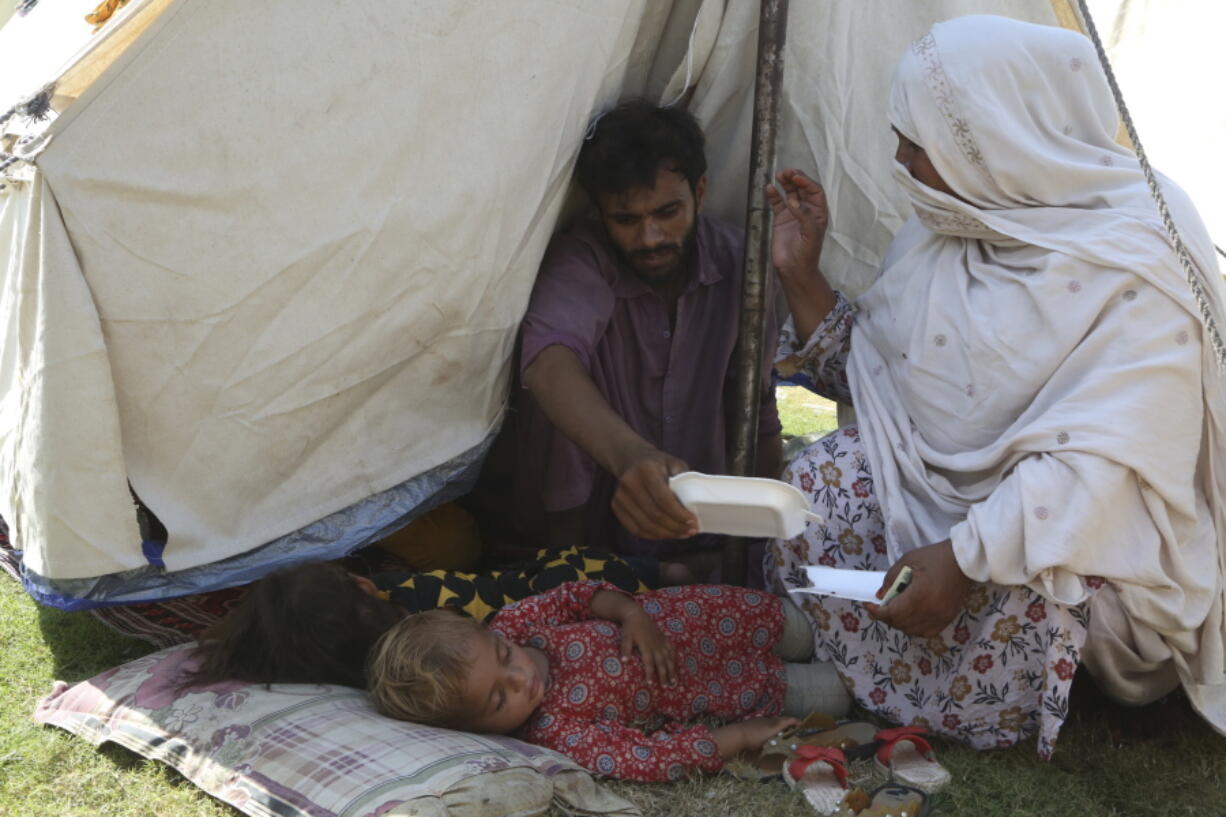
[[627, 348]]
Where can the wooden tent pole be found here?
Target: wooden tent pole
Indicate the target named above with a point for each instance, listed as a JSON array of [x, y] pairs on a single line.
[[768, 88]]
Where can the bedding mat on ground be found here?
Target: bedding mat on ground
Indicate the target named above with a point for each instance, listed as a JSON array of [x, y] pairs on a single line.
[[298, 750]]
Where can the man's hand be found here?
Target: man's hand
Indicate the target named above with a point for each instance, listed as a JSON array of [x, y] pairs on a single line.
[[644, 503], [801, 218], [937, 592], [748, 735]]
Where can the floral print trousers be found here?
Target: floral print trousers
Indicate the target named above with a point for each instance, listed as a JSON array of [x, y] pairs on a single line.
[[1000, 672]]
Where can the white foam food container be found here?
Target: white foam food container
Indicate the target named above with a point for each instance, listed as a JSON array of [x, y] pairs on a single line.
[[743, 506]]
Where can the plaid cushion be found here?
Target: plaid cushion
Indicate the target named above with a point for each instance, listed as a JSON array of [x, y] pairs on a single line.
[[317, 751]]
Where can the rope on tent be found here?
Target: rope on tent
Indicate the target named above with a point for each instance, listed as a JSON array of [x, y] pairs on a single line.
[[1220, 251], [1194, 274], [36, 109]]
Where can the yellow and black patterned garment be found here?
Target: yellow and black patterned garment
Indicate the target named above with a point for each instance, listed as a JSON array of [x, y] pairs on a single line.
[[481, 595]]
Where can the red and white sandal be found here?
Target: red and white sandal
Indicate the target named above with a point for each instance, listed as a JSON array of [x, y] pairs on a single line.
[[909, 759], [820, 774]]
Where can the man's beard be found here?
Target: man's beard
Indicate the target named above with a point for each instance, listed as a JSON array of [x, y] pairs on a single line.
[[658, 276]]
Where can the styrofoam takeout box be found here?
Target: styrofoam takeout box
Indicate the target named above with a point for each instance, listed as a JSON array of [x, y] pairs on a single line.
[[743, 506]]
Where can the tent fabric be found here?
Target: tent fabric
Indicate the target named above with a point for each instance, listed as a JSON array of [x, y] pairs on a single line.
[[292, 330], [838, 62], [332, 537], [268, 265], [55, 356]]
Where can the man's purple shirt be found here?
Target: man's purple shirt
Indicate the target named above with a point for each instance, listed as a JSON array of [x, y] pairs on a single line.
[[672, 386]]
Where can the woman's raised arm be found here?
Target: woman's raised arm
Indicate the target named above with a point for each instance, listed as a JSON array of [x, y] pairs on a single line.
[[801, 218]]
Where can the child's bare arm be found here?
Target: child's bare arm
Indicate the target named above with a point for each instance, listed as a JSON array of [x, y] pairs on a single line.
[[638, 632], [566, 603], [748, 735]]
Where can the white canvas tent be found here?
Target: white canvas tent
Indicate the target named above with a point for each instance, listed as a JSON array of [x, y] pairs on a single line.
[[264, 262]]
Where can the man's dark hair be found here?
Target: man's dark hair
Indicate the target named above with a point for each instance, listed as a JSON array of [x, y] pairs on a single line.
[[629, 144], [308, 624]]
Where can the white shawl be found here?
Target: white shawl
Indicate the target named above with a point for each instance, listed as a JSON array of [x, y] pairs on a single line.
[[1030, 372]]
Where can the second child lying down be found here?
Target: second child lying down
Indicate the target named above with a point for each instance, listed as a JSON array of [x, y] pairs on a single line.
[[615, 682]]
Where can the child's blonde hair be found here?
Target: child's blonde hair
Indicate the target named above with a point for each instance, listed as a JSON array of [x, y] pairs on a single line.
[[417, 668]]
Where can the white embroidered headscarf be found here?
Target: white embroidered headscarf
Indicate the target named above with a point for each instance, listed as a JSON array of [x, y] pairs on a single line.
[[1030, 371]]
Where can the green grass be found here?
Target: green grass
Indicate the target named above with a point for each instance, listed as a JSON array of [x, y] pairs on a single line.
[[803, 413], [45, 772], [1088, 777]]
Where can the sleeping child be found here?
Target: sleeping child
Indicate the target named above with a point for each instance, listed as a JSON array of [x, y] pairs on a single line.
[[315, 623], [615, 682]]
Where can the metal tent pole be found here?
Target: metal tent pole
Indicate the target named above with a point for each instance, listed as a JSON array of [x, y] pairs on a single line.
[[768, 88]]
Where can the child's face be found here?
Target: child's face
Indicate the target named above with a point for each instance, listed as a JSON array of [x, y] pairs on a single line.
[[504, 685]]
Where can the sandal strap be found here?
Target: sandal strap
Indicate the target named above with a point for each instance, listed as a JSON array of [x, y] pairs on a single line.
[[806, 755], [812, 724], [889, 738], [782, 743]]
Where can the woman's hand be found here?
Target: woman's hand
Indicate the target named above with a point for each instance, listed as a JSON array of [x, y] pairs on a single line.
[[748, 735], [936, 594], [801, 218], [640, 633]]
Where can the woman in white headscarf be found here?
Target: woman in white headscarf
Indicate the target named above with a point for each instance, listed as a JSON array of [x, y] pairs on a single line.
[[1040, 418]]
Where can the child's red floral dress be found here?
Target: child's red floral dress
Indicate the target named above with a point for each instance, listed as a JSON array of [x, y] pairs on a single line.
[[600, 709]]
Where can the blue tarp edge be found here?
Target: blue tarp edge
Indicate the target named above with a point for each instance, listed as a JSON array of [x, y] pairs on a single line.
[[332, 537]]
